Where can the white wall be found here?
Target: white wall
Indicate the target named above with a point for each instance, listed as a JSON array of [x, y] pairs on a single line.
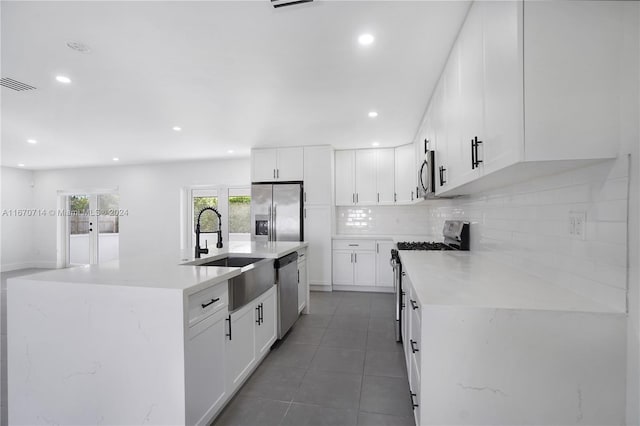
[[16, 231], [150, 194]]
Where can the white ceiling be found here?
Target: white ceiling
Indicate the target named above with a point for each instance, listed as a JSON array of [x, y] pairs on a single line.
[[232, 75]]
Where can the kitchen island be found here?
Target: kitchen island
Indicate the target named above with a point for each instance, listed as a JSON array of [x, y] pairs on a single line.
[[135, 341], [486, 343]]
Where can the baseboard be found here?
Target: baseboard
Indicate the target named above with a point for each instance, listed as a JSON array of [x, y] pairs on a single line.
[[27, 265], [369, 289], [320, 288]]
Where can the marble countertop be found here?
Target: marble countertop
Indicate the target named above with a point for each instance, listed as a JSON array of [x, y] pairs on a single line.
[[469, 279], [165, 272], [394, 238]]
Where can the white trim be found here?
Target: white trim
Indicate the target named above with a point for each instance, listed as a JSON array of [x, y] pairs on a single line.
[[363, 288], [326, 288]]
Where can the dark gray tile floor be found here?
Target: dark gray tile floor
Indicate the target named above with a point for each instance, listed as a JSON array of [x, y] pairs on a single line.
[[339, 366]]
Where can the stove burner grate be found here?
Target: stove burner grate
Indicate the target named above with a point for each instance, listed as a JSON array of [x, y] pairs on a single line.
[[424, 245]]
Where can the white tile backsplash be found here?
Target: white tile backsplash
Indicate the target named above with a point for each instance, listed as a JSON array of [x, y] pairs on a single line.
[[527, 225]]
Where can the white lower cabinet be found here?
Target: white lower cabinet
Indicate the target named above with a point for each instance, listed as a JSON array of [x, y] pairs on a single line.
[[303, 285], [362, 264], [240, 345], [205, 368], [222, 350]]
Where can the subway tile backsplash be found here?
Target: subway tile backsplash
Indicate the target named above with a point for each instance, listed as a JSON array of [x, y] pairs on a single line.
[[527, 226]]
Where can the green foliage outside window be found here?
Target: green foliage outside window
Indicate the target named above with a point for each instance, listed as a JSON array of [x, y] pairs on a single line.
[[239, 214]]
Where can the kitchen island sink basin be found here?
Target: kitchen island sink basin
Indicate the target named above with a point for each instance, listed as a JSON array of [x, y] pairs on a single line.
[[258, 275], [234, 262]]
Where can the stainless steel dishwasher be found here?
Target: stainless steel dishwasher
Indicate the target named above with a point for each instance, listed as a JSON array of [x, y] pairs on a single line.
[[287, 284]]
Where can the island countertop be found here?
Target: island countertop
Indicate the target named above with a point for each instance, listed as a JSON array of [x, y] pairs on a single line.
[[179, 271]]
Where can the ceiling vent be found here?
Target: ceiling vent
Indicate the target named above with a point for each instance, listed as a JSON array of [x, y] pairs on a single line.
[[283, 3], [14, 84]]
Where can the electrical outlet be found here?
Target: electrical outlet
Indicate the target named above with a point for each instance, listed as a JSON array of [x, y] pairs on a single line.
[[578, 224]]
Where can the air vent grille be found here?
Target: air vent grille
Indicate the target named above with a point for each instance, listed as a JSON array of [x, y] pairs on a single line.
[[283, 3], [14, 84]]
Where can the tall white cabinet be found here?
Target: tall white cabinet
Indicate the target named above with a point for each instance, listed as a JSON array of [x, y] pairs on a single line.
[[365, 177]]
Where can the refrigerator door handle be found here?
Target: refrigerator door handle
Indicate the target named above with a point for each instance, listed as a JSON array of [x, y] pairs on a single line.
[[273, 224], [270, 225]]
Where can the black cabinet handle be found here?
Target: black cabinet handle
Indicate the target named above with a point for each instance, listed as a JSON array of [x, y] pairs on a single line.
[[414, 305], [229, 319], [413, 349], [477, 142], [210, 302], [441, 170], [261, 313], [473, 155], [426, 141], [413, 404], [258, 310]]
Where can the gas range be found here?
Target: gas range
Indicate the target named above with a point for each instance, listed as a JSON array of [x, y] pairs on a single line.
[[423, 245]]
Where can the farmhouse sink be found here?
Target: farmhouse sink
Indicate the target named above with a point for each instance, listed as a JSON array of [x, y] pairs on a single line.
[[258, 275], [234, 262]]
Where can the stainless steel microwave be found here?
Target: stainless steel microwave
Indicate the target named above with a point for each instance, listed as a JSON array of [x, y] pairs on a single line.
[[427, 174]]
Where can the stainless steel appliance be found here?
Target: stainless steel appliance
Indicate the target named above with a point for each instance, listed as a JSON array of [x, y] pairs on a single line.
[[427, 174], [276, 212], [287, 285], [456, 237]]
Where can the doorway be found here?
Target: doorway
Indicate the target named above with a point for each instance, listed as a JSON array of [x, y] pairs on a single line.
[[92, 228]]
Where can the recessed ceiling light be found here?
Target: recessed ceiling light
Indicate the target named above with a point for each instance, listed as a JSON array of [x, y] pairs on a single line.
[[366, 39], [63, 79], [373, 114], [176, 128], [375, 143], [230, 151], [20, 165], [32, 141], [116, 159]]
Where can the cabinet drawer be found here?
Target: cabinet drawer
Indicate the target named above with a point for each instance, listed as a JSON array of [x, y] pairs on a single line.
[[414, 384], [207, 301], [415, 342], [354, 244]]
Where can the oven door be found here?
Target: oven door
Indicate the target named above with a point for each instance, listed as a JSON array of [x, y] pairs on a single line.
[[397, 286]]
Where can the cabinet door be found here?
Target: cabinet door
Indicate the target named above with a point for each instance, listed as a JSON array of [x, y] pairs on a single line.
[[342, 267], [364, 268], [503, 143], [263, 165], [290, 164], [406, 319], [438, 139], [303, 288], [265, 321], [345, 179], [451, 118], [385, 175], [205, 368], [384, 272], [405, 173], [317, 231], [240, 347], [366, 177], [471, 95], [318, 175]]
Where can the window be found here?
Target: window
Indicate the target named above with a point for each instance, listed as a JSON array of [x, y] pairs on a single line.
[[205, 198], [239, 214]]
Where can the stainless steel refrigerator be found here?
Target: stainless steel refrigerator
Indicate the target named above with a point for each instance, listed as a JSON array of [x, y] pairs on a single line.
[[276, 212]]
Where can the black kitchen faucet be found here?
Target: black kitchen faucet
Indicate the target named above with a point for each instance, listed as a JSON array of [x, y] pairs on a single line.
[[205, 250]]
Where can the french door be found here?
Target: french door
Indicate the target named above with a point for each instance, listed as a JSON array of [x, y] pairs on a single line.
[[92, 228]]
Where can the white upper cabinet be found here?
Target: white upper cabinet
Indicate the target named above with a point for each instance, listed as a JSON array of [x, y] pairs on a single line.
[[365, 189], [277, 164], [318, 175], [345, 178], [385, 175], [364, 177], [405, 174], [528, 90]]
